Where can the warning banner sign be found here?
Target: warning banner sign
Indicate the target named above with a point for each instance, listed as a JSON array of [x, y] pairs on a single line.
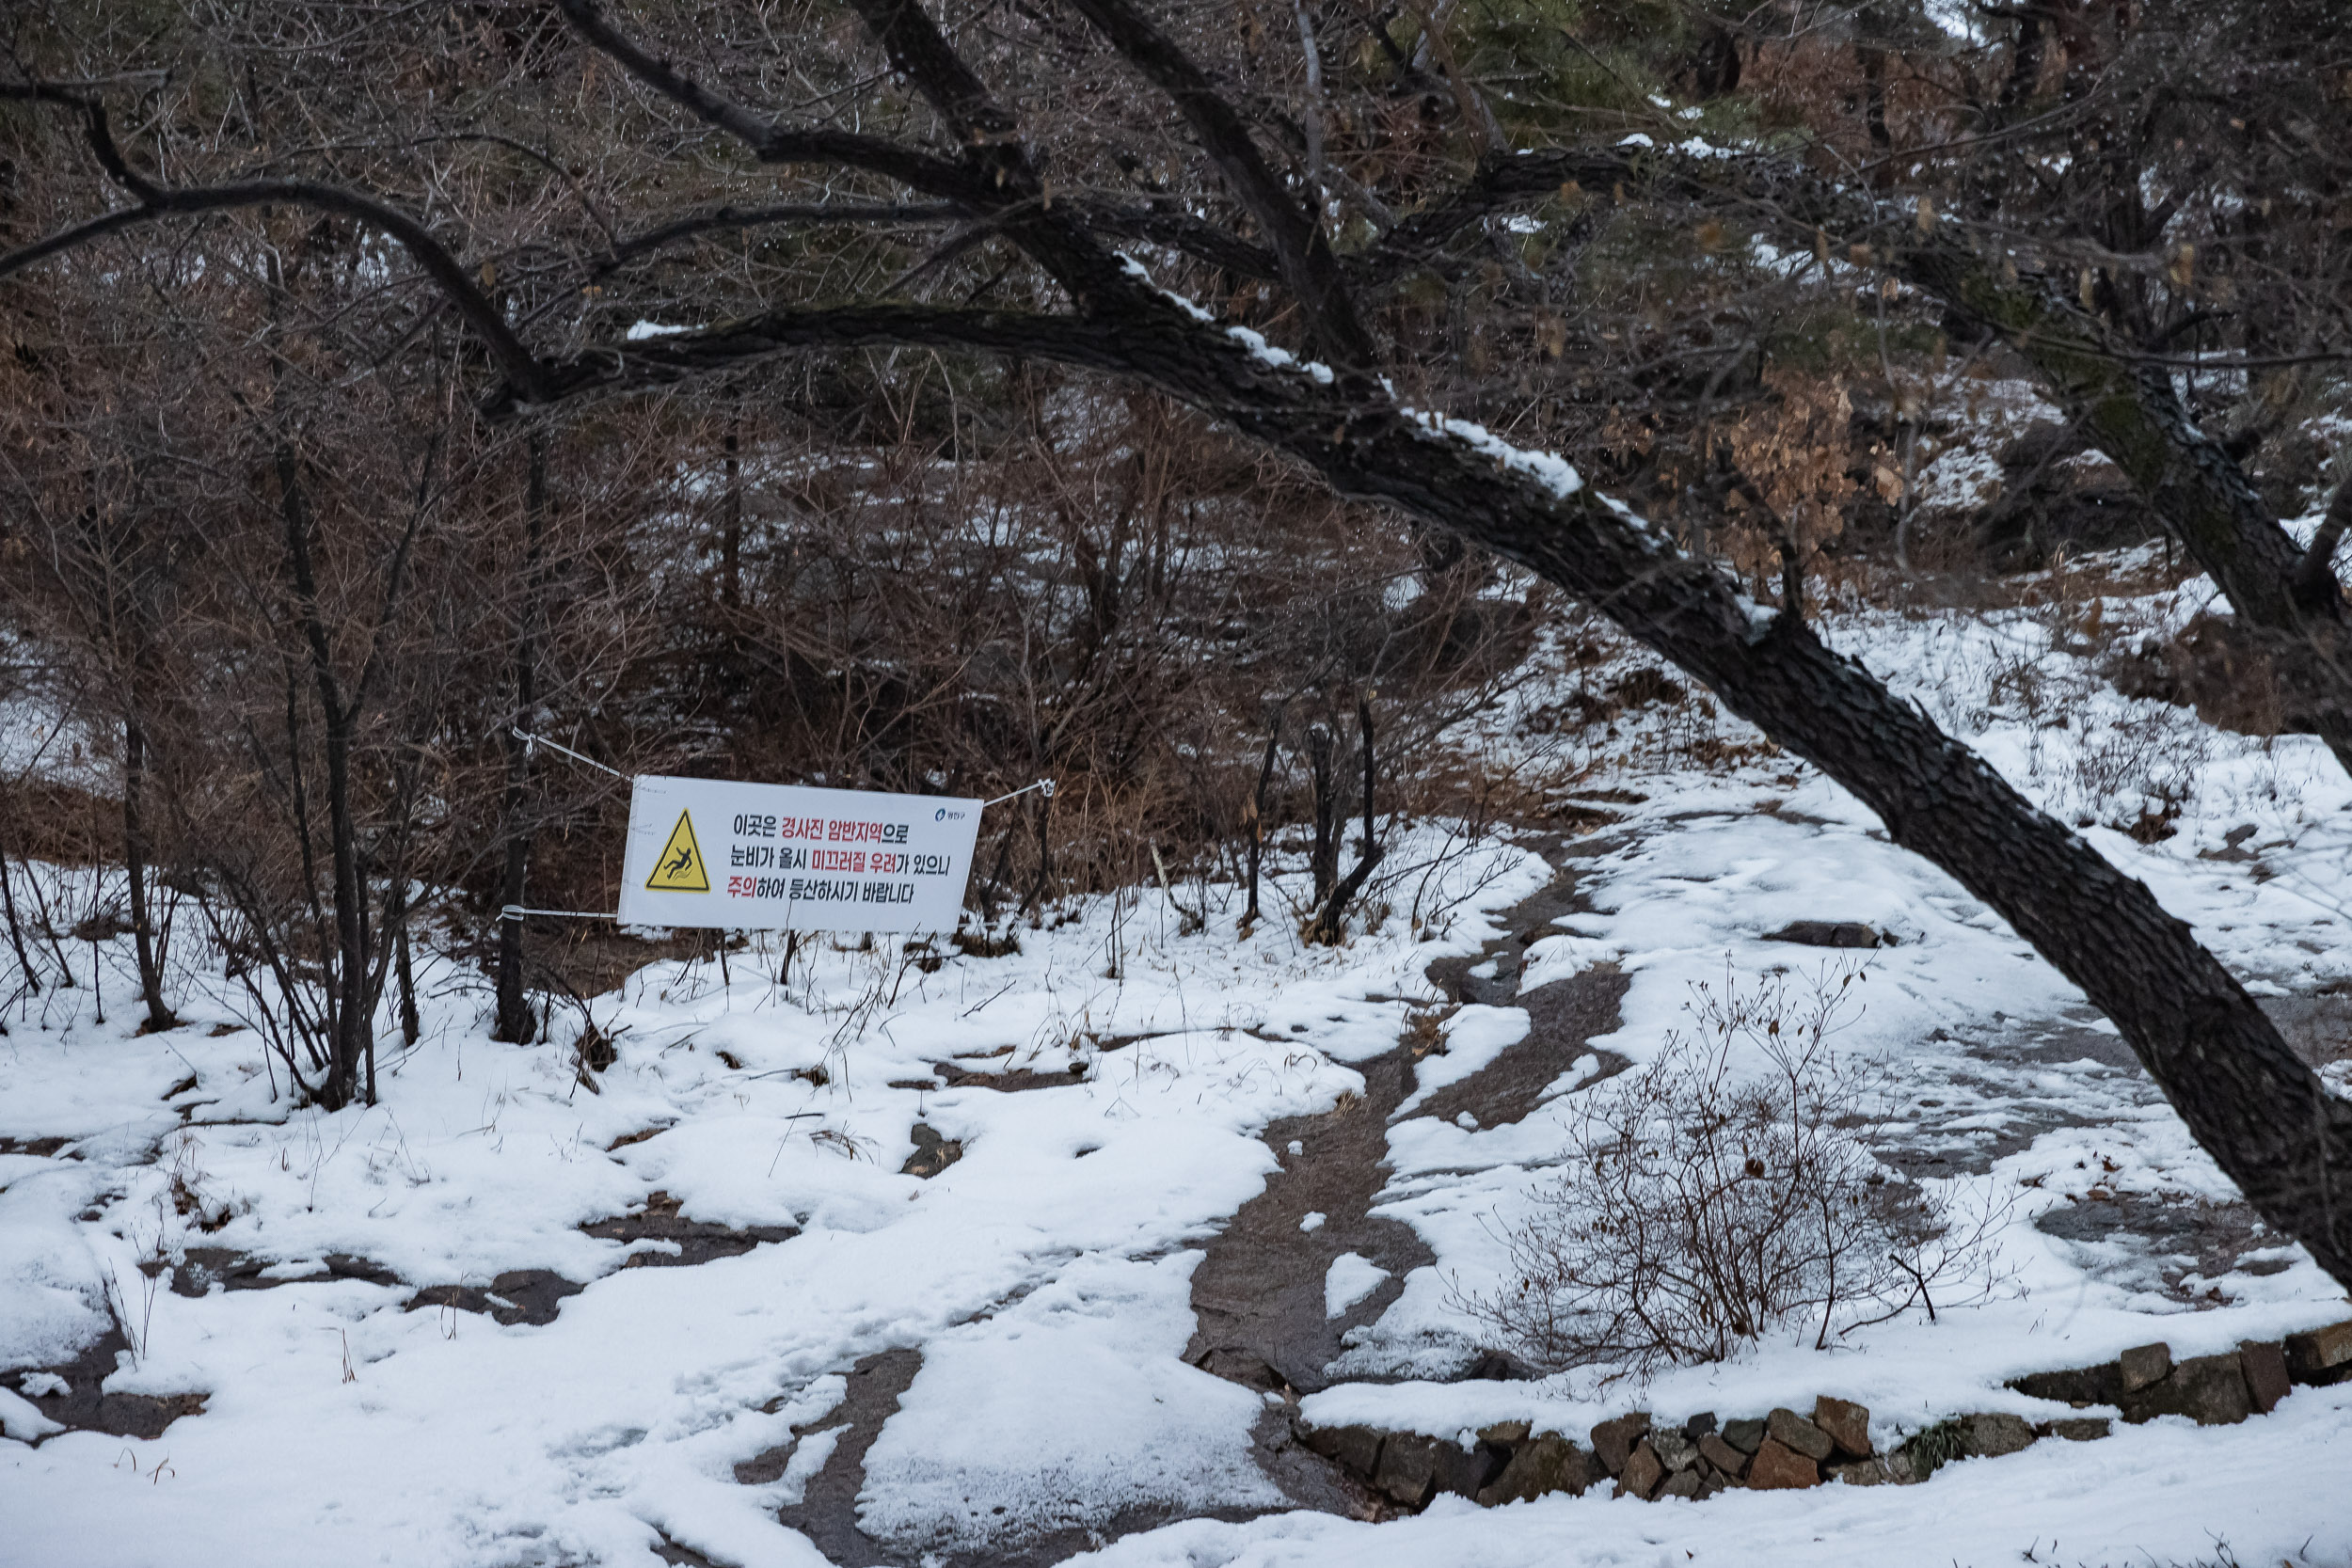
[[785, 857]]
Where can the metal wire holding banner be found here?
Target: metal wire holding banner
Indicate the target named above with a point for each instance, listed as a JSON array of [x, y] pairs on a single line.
[[1045, 784], [516, 912], [529, 740]]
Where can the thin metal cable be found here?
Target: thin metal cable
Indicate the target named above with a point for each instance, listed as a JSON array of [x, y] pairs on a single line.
[[528, 738], [1045, 784]]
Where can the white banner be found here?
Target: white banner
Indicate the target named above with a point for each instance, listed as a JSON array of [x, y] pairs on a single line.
[[782, 857]]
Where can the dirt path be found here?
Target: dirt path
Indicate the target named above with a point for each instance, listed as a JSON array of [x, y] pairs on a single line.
[[1258, 1296]]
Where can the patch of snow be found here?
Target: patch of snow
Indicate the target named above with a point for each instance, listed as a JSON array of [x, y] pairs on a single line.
[[1351, 1277], [1554, 472], [1061, 1412]]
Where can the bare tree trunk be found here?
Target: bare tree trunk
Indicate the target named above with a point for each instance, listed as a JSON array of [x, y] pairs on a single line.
[[159, 1015], [411, 1026], [16, 926], [1256, 846], [1044, 854], [1323, 867], [514, 1022], [1870, 53], [1326, 926], [354, 1035]]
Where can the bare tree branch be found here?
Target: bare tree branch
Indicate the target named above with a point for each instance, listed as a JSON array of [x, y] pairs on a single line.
[[770, 142], [735, 219], [666, 361], [1309, 268], [157, 202]]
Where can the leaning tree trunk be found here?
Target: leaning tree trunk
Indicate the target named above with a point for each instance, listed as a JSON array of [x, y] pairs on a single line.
[[2266, 1118]]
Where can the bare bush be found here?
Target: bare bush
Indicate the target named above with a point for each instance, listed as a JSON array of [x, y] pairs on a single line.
[[1728, 1190]]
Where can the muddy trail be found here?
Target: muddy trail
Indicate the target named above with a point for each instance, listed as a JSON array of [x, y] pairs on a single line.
[[1258, 1295]]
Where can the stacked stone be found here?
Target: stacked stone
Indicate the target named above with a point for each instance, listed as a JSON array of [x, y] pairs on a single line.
[[1696, 1459], [2212, 1390]]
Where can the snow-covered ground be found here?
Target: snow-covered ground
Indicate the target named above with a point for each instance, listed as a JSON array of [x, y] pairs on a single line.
[[1045, 1277]]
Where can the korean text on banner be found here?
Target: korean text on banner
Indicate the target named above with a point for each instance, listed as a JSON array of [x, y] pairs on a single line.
[[782, 857]]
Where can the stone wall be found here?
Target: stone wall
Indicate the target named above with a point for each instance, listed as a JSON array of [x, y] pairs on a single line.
[[1699, 1457]]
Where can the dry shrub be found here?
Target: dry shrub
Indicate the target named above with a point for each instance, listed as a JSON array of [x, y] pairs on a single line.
[[1792, 450], [1705, 1207]]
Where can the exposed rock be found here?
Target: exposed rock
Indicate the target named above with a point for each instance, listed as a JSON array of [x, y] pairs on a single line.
[[1848, 1425], [1791, 1431], [1495, 1365], [1699, 1425], [1674, 1450], [1778, 1467], [1862, 1472], [1541, 1465], [1991, 1433], [1907, 1465], [71, 1394], [1242, 1365], [1683, 1483], [1643, 1472], [933, 1153], [2082, 1429], [1723, 1456], [1408, 1469], [1353, 1447], [200, 1267], [2209, 1389], [2077, 1386], [1612, 1441], [1744, 1434], [1466, 1472], [1831, 933], [1508, 1434], [1007, 1080], [2143, 1365], [1414, 1467], [1715, 1481], [685, 1242], [2265, 1365], [518, 1296], [2322, 1356]]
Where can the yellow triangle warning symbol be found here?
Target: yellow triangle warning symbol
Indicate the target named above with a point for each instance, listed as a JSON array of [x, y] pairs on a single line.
[[679, 867]]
